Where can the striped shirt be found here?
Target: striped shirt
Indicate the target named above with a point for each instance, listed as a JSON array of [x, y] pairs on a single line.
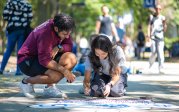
[[18, 13]]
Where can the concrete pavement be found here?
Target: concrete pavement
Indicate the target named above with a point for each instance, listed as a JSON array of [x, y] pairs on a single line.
[[160, 88]]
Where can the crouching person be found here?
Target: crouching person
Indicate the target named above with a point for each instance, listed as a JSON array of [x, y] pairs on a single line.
[[46, 56], [107, 62]]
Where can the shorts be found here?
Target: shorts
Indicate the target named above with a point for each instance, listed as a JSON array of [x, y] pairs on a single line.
[[31, 67]]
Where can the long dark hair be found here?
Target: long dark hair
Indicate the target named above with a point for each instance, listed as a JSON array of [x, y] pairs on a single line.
[[103, 43]]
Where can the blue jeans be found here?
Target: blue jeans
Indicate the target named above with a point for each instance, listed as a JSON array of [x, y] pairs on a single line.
[[12, 38]]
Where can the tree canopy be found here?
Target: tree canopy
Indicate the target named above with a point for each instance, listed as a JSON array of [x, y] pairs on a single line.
[[85, 12]]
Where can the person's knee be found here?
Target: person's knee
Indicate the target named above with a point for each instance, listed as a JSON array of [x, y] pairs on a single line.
[[69, 60], [54, 76], [55, 79]]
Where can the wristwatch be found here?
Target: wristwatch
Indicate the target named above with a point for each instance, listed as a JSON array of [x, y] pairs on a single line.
[[59, 47]]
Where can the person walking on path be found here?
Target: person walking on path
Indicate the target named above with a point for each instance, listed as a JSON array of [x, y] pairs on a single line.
[[140, 42], [18, 14], [105, 24], [156, 29], [107, 62], [46, 56]]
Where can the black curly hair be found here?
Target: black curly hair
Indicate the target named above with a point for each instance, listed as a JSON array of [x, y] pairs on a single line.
[[64, 22]]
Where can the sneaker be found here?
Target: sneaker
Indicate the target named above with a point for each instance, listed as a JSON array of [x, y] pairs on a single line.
[[27, 90], [53, 91], [161, 71]]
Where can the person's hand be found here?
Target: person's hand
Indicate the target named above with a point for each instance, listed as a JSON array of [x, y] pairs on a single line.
[[117, 39], [87, 91], [54, 52], [107, 90], [116, 71], [69, 76], [86, 86]]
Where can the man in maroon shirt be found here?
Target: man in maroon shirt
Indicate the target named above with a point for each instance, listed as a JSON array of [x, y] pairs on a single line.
[[46, 56]]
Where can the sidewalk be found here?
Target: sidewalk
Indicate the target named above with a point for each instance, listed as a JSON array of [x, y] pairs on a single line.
[[160, 88]]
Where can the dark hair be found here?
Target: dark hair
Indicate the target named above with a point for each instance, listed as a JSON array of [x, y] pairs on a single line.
[[103, 43], [64, 22], [92, 37], [139, 26]]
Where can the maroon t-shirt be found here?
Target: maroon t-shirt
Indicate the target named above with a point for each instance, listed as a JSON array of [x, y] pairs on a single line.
[[40, 43]]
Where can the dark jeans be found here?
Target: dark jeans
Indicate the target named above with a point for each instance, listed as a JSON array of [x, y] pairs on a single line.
[[99, 81], [12, 38]]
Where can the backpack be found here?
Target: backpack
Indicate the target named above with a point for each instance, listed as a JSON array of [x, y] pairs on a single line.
[[141, 39]]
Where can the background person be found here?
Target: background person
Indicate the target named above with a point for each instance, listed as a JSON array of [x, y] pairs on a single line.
[[105, 24], [157, 27], [18, 14], [140, 42]]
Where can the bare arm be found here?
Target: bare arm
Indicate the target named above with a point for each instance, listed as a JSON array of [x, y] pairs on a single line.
[[86, 82], [115, 75], [55, 50], [114, 31], [98, 24], [164, 25], [115, 78], [149, 30], [57, 67]]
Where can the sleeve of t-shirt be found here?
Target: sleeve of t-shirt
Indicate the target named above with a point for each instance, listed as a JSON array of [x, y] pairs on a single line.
[[7, 11], [44, 49], [163, 18], [99, 18], [67, 45], [88, 65], [29, 12], [151, 19], [122, 60], [120, 56], [111, 19]]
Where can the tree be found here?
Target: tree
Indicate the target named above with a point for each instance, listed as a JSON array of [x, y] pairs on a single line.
[[85, 12]]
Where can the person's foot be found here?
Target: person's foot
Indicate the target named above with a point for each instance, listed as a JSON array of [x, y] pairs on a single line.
[[53, 91], [1, 72], [161, 71], [27, 90], [150, 65]]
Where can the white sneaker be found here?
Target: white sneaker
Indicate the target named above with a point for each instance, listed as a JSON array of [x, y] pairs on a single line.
[[53, 91], [161, 71], [27, 90]]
